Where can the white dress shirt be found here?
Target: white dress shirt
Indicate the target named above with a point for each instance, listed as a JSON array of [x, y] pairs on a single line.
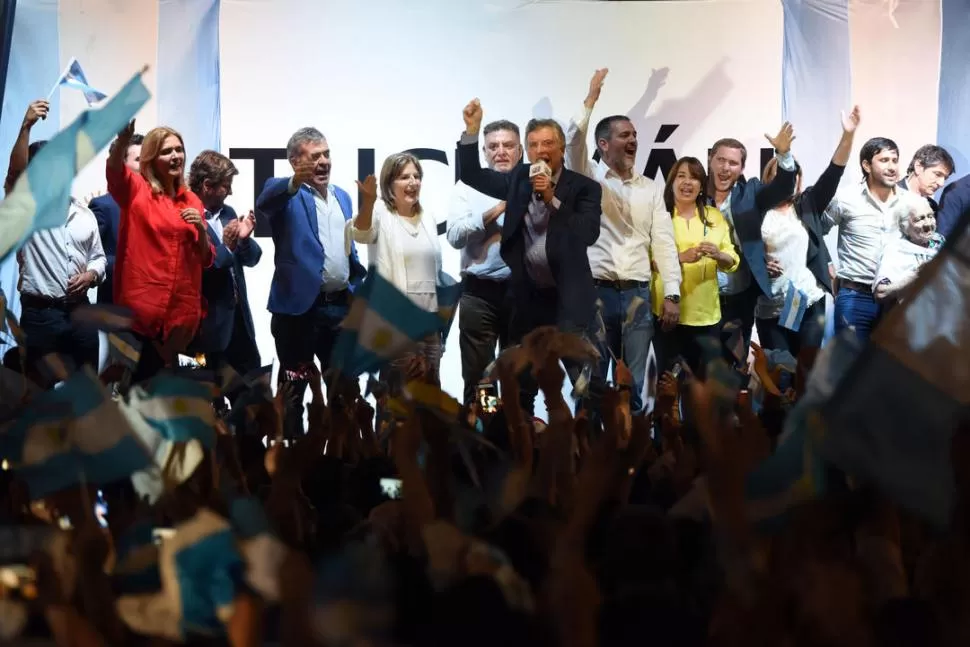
[[330, 231], [51, 257], [635, 224], [900, 263], [865, 226]]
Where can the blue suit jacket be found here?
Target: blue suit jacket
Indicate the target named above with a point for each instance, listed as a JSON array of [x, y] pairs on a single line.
[[953, 203], [750, 200], [299, 252], [217, 287], [108, 213]]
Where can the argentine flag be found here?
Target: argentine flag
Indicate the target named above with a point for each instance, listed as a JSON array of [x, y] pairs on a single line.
[[72, 435], [201, 573], [792, 313], [73, 77], [382, 324], [40, 197]]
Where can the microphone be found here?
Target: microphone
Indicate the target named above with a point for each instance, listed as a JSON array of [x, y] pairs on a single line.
[[539, 168]]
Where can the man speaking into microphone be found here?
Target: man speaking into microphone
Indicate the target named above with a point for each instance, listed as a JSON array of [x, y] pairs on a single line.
[[552, 216]]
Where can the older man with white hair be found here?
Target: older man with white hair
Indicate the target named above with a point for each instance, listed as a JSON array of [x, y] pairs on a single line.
[[903, 257]]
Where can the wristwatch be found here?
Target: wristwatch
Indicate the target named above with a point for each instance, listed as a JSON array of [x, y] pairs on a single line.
[[673, 298]]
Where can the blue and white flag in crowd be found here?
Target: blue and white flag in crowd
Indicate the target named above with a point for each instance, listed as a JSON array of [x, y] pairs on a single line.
[[71, 435], [382, 324], [792, 313], [201, 572], [40, 196], [260, 547], [73, 77]]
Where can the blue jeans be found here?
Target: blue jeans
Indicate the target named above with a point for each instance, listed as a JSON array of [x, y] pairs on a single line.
[[625, 330], [857, 309]]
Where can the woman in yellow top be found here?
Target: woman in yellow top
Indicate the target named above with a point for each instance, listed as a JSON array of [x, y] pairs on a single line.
[[703, 239]]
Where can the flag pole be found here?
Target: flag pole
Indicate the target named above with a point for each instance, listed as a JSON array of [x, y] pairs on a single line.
[[63, 75]]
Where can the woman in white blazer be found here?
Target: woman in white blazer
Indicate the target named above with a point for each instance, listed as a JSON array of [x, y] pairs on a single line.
[[404, 247]]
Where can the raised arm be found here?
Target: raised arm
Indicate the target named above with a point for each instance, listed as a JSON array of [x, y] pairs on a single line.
[[361, 227], [470, 171], [577, 152], [783, 185], [20, 153], [824, 190]]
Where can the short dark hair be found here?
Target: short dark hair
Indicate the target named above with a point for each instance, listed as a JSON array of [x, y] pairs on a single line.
[[501, 124], [932, 155], [536, 124], [729, 142], [136, 140], [872, 148], [212, 166], [34, 148], [604, 128]]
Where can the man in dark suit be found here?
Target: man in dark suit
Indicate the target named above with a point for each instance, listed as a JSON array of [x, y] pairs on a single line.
[[552, 216], [954, 201], [227, 336], [744, 203], [315, 276], [108, 213]]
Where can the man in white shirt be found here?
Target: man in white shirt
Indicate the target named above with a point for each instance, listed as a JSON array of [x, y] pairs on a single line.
[[57, 268], [635, 227], [475, 223], [867, 216]]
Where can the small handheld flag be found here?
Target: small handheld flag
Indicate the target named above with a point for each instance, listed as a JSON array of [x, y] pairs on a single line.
[[796, 303], [73, 77]]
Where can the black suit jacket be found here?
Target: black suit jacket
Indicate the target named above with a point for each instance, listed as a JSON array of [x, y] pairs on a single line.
[[108, 214], [810, 206], [572, 229]]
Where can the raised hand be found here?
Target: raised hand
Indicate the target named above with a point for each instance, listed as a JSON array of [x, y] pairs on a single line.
[[246, 225], [126, 133], [782, 141], [368, 189], [851, 121], [472, 114], [595, 87], [35, 111]]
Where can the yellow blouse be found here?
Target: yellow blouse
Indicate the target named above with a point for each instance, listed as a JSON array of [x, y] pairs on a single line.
[[700, 304]]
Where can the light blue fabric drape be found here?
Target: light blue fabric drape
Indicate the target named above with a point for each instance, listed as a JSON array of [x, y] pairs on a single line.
[[34, 67], [953, 119], [188, 72]]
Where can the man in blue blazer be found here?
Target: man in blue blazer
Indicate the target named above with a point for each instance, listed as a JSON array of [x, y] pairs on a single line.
[[108, 213], [744, 203], [314, 277], [227, 336]]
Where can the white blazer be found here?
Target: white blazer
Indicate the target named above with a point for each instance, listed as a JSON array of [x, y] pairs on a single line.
[[383, 238]]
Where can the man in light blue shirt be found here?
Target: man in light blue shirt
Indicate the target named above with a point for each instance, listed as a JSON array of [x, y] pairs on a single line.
[[475, 227]]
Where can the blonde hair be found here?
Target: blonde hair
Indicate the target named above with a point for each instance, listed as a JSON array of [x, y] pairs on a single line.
[[150, 149], [393, 166]]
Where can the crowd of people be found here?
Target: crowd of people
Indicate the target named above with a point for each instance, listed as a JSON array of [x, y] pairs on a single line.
[[405, 522]]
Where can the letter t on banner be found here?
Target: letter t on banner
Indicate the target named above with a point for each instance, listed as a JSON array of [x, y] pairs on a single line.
[[188, 72]]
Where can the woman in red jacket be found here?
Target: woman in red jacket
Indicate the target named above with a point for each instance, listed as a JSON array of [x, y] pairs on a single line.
[[162, 247]]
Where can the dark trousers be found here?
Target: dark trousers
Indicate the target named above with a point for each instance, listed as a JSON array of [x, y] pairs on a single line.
[[540, 307], [689, 343], [241, 352], [484, 315], [809, 335], [48, 328], [301, 337], [857, 309], [150, 362], [739, 308]]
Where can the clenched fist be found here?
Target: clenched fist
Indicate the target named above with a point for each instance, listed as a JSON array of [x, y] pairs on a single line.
[[472, 114]]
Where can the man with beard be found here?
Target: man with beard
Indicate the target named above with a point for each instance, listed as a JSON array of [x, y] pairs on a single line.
[[903, 257], [314, 277], [634, 228], [866, 215], [744, 203], [552, 217], [475, 227]]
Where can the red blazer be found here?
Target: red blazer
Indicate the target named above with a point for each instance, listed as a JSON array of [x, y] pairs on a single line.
[[158, 265]]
